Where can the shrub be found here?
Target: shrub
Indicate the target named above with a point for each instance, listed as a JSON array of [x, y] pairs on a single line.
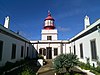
[[86, 66], [40, 56], [8, 66], [27, 58], [26, 71], [97, 69], [93, 71], [91, 68], [65, 62]]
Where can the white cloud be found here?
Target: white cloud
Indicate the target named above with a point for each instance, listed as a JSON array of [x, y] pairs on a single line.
[[63, 29]]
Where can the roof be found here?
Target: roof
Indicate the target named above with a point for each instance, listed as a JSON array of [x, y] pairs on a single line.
[[8, 32], [92, 27], [49, 17], [49, 41]]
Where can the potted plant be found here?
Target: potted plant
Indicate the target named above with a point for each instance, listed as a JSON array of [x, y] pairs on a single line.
[[40, 60]]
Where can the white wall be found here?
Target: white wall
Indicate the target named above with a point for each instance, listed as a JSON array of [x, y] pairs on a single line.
[[38, 46], [7, 49], [65, 47], [86, 46], [46, 33]]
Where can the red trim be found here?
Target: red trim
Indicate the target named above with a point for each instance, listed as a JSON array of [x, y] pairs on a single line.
[[49, 18], [49, 27]]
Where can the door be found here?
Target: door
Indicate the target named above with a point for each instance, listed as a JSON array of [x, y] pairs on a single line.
[[49, 53]]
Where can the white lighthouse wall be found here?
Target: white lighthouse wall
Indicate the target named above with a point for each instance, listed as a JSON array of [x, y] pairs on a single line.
[[52, 33]]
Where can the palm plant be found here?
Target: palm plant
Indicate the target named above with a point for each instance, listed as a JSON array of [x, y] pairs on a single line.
[[64, 62]]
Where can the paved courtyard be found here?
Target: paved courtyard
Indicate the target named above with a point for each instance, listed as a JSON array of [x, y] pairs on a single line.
[[46, 69]]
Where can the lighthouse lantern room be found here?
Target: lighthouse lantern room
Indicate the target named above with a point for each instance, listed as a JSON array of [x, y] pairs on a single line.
[[49, 32], [49, 22]]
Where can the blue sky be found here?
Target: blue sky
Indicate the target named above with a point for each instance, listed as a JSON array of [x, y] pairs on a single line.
[[27, 16]]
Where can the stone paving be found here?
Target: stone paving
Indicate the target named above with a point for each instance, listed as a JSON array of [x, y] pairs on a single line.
[[46, 69]]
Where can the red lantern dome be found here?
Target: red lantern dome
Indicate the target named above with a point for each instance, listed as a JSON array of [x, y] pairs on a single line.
[[49, 22]]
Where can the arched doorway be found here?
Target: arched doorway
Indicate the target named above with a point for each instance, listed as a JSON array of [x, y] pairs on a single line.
[[42, 51]]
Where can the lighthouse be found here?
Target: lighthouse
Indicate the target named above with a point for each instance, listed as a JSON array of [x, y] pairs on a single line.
[[49, 22], [49, 32]]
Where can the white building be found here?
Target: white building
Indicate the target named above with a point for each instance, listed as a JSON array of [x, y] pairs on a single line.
[[49, 46], [85, 45], [13, 47]]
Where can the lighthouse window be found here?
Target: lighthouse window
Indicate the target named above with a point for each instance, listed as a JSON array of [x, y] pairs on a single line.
[[46, 23], [51, 22], [49, 38]]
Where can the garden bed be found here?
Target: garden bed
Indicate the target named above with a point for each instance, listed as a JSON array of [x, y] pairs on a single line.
[[23, 67]]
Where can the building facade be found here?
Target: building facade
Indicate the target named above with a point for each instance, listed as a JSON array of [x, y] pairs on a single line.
[[49, 46], [13, 47], [85, 45]]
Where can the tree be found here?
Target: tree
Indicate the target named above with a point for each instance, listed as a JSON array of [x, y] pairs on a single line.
[[65, 62]]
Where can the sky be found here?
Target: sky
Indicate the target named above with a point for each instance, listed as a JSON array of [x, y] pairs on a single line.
[[27, 16]]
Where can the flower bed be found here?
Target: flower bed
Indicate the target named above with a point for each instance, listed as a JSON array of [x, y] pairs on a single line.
[[95, 70], [23, 67]]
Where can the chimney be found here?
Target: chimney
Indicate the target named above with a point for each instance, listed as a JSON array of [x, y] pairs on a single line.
[[86, 22], [6, 24]]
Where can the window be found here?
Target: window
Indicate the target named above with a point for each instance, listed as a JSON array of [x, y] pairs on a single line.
[[93, 49], [49, 38], [1, 48], [74, 50], [13, 51], [27, 51], [81, 50], [55, 51], [42, 51], [70, 49], [22, 48], [61, 48]]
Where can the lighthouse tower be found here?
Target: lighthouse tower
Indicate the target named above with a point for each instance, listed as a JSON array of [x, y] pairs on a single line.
[[49, 32]]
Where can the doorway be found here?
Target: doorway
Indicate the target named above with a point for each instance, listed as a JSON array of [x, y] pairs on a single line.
[[49, 53]]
